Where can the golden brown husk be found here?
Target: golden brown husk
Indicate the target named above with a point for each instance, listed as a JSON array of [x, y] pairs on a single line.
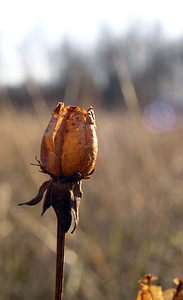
[[69, 144]]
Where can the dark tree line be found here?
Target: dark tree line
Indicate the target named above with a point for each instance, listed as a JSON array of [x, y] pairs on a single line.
[[154, 62]]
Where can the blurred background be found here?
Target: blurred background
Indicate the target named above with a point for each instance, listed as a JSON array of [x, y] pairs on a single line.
[[126, 60]]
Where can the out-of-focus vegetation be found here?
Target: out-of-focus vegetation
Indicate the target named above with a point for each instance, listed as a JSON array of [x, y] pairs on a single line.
[[131, 213], [154, 62]]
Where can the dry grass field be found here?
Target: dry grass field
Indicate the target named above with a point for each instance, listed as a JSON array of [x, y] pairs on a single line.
[[131, 215]]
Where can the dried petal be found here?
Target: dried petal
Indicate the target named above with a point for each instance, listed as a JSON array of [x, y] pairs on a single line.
[[169, 294], [50, 159], [150, 293], [91, 147]]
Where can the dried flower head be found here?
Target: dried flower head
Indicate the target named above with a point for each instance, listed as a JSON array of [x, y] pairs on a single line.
[[68, 154], [149, 291]]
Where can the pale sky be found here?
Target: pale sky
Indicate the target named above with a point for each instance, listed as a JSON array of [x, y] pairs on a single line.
[[79, 20]]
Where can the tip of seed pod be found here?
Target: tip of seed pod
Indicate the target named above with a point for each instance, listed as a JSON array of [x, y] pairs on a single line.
[[58, 108]]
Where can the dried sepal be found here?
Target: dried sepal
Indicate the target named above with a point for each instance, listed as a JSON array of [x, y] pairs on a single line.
[[39, 195], [64, 197], [48, 199], [75, 202], [61, 203]]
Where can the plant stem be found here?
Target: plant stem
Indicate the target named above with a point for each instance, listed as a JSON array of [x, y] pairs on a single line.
[[60, 263]]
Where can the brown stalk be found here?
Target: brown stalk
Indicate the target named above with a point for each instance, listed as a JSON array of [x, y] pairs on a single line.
[[64, 199], [59, 262]]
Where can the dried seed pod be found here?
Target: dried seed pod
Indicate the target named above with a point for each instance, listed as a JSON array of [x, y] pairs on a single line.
[[147, 290], [69, 144]]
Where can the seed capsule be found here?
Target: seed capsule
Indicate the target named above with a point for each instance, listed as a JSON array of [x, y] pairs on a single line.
[[69, 144]]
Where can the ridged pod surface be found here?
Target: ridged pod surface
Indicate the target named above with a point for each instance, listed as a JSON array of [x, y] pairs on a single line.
[[69, 144]]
